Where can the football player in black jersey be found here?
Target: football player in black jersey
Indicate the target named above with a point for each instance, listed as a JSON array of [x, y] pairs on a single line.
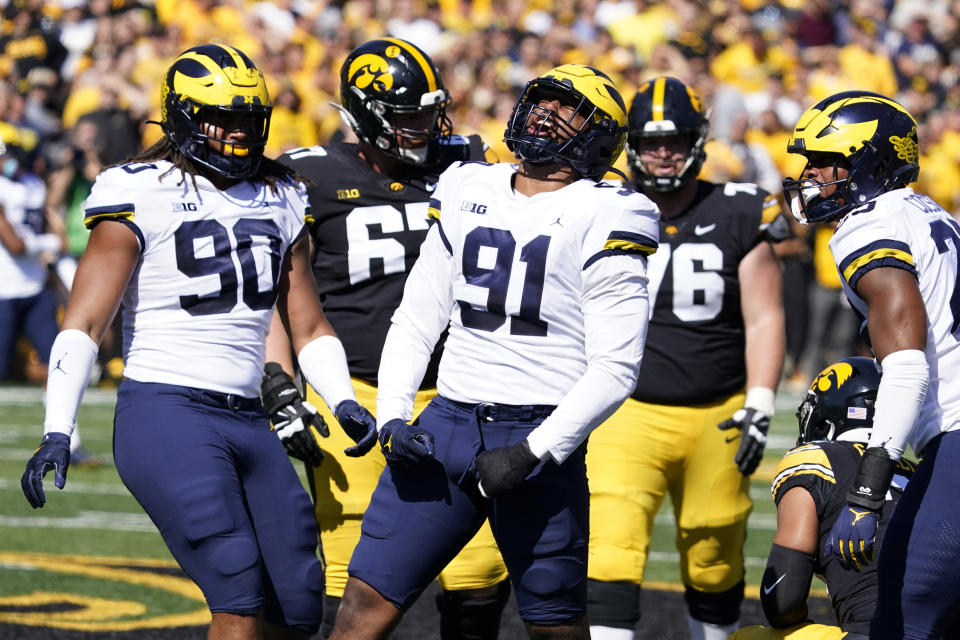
[[369, 217], [810, 490], [696, 424]]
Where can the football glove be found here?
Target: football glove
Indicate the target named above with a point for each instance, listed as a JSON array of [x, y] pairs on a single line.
[[359, 424], [405, 444], [852, 537], [295, 421], [753, 425], [53, 453], [504, 468]]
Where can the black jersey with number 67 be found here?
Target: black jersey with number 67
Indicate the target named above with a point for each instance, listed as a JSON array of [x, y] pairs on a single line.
[[694, 353], [367, 229]]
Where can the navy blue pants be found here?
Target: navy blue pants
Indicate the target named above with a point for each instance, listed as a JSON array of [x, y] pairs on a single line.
[[420, 517], [34, 317], [919, 561], [217, 482]]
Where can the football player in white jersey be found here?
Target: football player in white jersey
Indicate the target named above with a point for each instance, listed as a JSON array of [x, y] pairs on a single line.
[[538, 272], [27, 305], [897, 253], [368, 203], [199, 237]]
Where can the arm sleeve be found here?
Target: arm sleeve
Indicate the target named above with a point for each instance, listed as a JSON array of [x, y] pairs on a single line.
[[903, 388], [615, 308], [785, 586], [71, 361], [416, 326]]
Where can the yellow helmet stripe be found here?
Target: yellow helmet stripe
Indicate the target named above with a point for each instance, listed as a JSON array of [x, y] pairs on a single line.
[[659, 89], [862, 99], [422, 61], [237, 58], [211, 65]]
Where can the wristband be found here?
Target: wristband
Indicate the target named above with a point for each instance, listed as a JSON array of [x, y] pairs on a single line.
[[71, 361], [874, 473], [42, 243], [761, 399], [324, 364], [277, 389]]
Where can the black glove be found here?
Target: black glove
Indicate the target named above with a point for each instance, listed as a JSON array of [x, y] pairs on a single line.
[[504, 468], [295, 420], [359, 424], [53, 453], [405, 444], [753, 425]]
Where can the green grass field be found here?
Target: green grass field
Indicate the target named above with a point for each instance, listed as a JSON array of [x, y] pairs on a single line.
[[92, 560]]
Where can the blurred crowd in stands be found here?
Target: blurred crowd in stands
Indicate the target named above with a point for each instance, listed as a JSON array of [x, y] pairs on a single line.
[[78, 86]]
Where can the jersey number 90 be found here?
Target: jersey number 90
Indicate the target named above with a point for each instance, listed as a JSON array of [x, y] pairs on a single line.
[[204, 248]]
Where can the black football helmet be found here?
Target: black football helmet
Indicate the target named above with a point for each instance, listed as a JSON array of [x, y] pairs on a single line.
[[589, 150], [214, 84], [663, 107], [839, 403], [872, 135], [385, 83]]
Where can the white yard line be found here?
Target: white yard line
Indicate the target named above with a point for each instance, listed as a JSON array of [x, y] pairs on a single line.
[[100, 520]]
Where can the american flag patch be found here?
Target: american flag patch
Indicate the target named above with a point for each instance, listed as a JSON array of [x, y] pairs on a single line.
[[857, 413]]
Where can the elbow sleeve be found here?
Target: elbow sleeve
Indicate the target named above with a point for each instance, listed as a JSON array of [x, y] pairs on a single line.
[[786, 585]]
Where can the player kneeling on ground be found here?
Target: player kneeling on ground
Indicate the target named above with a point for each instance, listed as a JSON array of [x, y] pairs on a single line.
[[810, 490]]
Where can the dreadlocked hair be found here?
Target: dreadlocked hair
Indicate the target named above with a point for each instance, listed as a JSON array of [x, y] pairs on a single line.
[[270, 172]]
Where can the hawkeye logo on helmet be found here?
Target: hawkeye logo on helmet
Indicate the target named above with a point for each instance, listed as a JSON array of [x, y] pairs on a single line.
[[834, 377], [372, 71]]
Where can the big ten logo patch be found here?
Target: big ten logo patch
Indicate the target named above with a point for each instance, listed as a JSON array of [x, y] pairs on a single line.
[[473, 207]]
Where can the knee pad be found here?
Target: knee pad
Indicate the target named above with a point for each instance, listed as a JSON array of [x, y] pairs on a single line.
[[613, 604], [467, 616], [721, 608], [712, 559], [330, 607]]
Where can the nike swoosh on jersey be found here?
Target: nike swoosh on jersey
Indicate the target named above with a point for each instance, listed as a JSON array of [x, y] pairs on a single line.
[[698, 230], [767, 590], [732, 438]]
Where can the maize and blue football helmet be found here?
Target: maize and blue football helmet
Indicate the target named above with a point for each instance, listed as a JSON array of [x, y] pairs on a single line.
[[385, 84], [839, 404], [215, 84], [869, 134], [666, 107], [539, 136]]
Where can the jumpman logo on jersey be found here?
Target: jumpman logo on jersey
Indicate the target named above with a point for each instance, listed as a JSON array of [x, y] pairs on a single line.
[[557, 222], [57, 366]]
